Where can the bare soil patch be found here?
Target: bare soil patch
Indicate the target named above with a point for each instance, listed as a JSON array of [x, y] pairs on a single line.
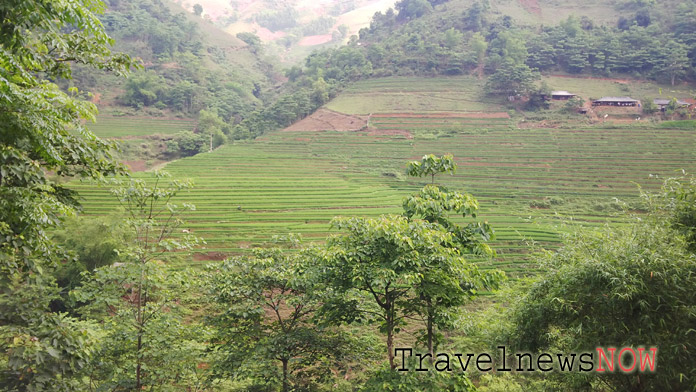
[[268, 35], [445, 115], [143, 165], [329, 120], [210, 256], [531, 6], [315, 40], [136, 166]]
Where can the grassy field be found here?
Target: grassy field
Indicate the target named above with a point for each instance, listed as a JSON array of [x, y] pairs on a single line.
[[414, 94], [597, 88], [533, 184], [464, 93], [113, 126]]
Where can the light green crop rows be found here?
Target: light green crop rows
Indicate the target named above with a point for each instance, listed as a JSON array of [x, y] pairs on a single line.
[[297, 181], [108, 126], [413, 94]]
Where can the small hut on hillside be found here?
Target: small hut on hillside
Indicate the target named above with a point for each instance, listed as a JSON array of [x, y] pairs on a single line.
[[616, 101], [562, 95], [662, 103]]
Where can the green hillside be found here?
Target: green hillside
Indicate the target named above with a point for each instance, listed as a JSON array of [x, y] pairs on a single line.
[[536, 170], [533, 183], [423, 191], [193, 77], [188, 65]]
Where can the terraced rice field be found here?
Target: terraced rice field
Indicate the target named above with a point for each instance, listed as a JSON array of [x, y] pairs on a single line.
[[413, 94], [297, 181], [532, 184], [439, 122], [112, 126]]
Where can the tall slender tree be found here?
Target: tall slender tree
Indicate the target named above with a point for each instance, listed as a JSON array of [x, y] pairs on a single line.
[[441, 290]]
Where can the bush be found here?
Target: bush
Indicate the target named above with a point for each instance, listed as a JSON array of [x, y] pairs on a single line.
[[631, 286], [386, 379], [573, 105], [187, 143]]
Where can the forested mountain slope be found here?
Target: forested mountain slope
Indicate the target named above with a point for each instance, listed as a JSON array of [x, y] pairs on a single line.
[[188, 65], [508, 44], [641, 39]]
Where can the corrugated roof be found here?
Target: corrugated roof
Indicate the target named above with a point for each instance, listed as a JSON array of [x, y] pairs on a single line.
[[561, 93], [616, 99], [660, 101]]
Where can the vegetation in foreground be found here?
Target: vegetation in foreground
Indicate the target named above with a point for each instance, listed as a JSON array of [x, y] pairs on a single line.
[[135, 323]]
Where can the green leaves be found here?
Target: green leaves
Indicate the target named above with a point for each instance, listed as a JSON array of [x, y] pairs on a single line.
[[512, 79], [677, 201], [266, 308], [434, 202], [383, 267], [430, 165], [43, 132], [631, 286], [50, 345], [152, 217], [139, 299]]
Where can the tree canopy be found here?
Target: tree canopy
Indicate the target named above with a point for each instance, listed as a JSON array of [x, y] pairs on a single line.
[[43, 132], [621, 287]]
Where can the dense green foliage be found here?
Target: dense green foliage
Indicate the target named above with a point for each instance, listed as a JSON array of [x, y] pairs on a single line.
[[266, 322], [317, 318], [42, 131], [96, 247], [662, 51], [631, 286], [678, 201], [278, 19], [434, 203], [186, 71]]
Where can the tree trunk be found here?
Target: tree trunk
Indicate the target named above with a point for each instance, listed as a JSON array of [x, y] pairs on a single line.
[[389, 306], [286, 386], [390, 345], [140, 319], [430, 333], [138, 368], [673, 78]]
